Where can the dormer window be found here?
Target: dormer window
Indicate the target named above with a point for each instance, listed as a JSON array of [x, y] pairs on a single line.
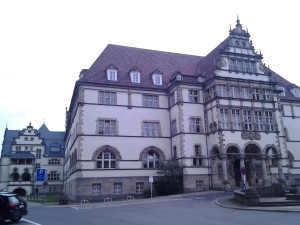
[[157, 79], [296, 93], [283, 91], [135, 77], [112, 74]]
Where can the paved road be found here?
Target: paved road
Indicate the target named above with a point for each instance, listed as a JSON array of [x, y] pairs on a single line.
[[177, 210]]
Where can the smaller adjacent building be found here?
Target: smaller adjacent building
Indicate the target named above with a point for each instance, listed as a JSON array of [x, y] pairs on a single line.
[[24, 152]]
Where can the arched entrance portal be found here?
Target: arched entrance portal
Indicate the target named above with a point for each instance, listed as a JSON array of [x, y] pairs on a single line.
[[233, 155], [20, 191], [253, 165]]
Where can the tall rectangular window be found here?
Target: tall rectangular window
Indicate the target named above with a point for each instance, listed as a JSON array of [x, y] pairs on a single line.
[[38, 153], [238, 65], [259, 120], [245, 93], [107, 127], [139, 187], [269, 120], [220, 173], [193, 96], [266, 95], [232, 65], [236, 119], [245, 66], [151, 129], [172, 99], [117, 188], [252, 68], [157, 79], [255, 93], [224, 118], [107, 97], [195, 125], [247, 120], [233, 92], [222, 90], [173, 127], [150, 101], [96, 189]]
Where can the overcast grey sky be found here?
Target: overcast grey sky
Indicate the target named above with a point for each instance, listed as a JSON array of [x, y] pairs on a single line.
[[45, 44]]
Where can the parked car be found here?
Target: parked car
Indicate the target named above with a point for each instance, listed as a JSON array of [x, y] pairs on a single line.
[[12, 207]]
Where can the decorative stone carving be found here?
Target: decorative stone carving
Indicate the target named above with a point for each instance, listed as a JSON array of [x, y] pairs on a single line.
[[250, 135], [158, 151], [221, 62], [261, 67], [107, 148]]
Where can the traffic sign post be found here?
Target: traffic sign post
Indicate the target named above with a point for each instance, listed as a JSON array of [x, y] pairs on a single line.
[[151, 182], [40, 174]]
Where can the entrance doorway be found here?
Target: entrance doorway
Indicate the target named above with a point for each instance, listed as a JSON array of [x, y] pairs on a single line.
[[237, 172]]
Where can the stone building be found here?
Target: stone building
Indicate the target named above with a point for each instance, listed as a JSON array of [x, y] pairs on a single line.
[[23, 152], [217, 115]]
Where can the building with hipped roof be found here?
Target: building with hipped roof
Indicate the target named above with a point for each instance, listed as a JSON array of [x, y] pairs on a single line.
[[217, 115], [24, 152]]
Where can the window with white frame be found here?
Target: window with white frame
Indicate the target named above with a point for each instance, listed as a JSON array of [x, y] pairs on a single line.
[[135, 77], [194, 96], [139, 187], [108, 97], [233, 93], [53, 176], [195, 125], [38, 153], [151, 129], [296, 93], [259, 120], [269, 120], [96, 189], [172, 99], [236, 119], [150, 101], [283, 91], [117, 188], [245, 93], [151, 160], [106, 160], [266, 94], [18, 148], [245, 66], [112, 74], [255, 93], [107, 127], [173, 127], [222, 90], [224, 118], [252, 68], [197, 158], [247, 119], [157, 79]]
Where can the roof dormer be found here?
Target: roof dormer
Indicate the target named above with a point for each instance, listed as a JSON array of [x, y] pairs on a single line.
[[296, 92], [157, 77], [135, 75], [112, 72]]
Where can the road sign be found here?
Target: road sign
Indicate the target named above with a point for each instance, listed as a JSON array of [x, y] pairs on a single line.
[[40, 174]]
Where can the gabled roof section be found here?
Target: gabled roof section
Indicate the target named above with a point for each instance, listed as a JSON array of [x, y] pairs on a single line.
[[206, 65], [125, 58], [284, 83]]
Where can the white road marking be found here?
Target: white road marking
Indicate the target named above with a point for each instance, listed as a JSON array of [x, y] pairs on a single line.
[[31, 222]]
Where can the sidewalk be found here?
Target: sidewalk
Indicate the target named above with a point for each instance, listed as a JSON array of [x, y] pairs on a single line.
[[229, 202]]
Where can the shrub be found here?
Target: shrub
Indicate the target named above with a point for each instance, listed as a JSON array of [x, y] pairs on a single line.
[[63, 200]]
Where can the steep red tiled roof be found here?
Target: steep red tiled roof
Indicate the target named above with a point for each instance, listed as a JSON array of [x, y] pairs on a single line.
[[147, 61]]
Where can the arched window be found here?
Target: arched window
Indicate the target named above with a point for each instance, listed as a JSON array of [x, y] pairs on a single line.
[[151, 160], [106, 160]]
